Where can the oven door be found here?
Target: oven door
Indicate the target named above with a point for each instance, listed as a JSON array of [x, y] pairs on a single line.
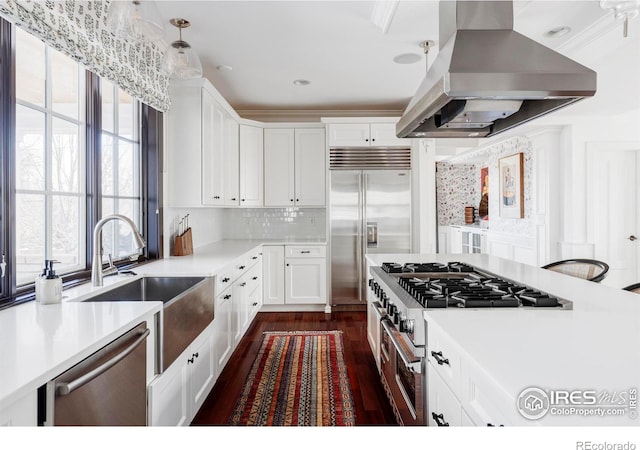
[[404, 374]]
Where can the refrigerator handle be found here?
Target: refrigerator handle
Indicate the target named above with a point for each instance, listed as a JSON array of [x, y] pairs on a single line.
[[360, 233], [363, 235]]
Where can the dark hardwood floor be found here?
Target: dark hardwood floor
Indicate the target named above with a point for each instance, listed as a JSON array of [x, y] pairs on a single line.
[[371, 404]]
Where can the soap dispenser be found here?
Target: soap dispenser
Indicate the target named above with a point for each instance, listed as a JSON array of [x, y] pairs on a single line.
[[48, 285]]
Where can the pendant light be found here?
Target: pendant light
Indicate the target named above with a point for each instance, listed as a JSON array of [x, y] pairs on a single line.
[[135, 20], [180, 61]]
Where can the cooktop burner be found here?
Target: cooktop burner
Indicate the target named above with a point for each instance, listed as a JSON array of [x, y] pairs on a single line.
[[436, 285], [452, 267]]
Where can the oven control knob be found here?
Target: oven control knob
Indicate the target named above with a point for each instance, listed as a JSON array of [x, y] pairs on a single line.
[[407, 326]]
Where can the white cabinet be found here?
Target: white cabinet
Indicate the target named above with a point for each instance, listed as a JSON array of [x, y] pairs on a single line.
[[459, 392], [176, 395], [22, 412], [294, 167], [220, 155], [273, 274], [303, 278], [223, 337], [201, 148], [251, 165], [379, 134]]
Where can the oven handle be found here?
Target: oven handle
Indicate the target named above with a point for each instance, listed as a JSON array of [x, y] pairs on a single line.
[[413, 364]]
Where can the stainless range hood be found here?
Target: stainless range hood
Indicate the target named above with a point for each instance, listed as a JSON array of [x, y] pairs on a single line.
[[488, 78]]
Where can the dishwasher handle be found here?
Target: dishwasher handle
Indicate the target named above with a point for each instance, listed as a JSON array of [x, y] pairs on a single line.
[[66, 388]]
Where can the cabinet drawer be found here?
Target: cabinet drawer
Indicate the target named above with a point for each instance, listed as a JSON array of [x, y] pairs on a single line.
[[254, 276], [224, 279], [305, 251], [445, 357], [483, 400], [443, 407], [254, 257]]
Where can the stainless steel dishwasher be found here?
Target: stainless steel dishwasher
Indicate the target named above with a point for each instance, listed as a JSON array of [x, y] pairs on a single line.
[[107, 388]]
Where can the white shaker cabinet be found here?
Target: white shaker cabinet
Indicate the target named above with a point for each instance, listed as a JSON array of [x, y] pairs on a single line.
[[201, 160], [378, 134], [176, 396], [295, 274], [273, 274], [251, 165], [294, 167]]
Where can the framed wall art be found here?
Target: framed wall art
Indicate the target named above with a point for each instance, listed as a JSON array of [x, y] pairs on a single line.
[[511, 187]]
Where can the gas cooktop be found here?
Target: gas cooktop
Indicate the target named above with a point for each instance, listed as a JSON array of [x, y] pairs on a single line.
[[455, 284]]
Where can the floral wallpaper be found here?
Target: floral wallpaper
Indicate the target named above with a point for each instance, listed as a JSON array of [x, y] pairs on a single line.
[[458, 185], [78, 29]]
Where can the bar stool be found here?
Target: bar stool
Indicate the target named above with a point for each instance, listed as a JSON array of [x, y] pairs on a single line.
[[587, 269]]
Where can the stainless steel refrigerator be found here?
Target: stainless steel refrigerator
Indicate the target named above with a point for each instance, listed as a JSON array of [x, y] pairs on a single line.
[[369, 212]]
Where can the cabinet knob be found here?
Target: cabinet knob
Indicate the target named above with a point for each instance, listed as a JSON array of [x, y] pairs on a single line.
[[439, 418], [191, 360], [297, 199], [227, 297], [242, 199], [366, 140], [373, 140], [287, 264], [291, 200], [233, 199], [195, 355]]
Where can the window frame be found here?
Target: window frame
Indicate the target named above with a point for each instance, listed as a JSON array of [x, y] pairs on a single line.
[[150, 137]]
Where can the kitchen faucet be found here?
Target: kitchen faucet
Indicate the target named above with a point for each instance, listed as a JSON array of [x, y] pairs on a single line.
[[96, 266]]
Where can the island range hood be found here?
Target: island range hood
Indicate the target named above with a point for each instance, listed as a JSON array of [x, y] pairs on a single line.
[[488, 78]]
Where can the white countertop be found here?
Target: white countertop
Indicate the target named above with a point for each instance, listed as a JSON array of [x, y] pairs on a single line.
[[38, 342], [594, 346]]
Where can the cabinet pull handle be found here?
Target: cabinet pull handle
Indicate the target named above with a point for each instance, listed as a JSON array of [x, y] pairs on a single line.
[[305, 251], [241, 267], [440, 360], [225, 280], [439, 418], [233, 199], [254, 278], [195, 355], [243, 284], [492, 425], [255, 303], [254, 257], [227, 297]]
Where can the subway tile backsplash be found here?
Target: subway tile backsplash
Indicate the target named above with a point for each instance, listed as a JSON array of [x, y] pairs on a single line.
[[214, 224], [275, 223]]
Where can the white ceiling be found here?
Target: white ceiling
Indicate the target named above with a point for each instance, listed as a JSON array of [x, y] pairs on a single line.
[[336, 46]]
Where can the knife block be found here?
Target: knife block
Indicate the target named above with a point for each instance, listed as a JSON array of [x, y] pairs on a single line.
[[183, 244]]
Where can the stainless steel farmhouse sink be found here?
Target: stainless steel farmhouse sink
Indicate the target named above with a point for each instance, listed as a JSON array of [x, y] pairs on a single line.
[[188, 308]]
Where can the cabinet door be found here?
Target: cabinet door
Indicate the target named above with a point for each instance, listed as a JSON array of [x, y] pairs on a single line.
[[273, 274], [238, 309], [213, 126], [202, 370], [384, 135], [231, 159], [305, 281], [444, 409], [279, 167], [349, 135], [183, 147], [169, 396], [251, 166], [456, 240], [222, 335], [310, 160]]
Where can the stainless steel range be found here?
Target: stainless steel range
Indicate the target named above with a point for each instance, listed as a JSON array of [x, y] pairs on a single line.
[[399, 295]]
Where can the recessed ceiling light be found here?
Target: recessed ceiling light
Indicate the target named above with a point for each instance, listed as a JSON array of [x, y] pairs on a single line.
[[301, 82], [224, 67], [558, 32], [407, 58]]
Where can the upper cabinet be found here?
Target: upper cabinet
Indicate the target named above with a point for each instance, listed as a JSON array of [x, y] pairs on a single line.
[[220, 155], [251, 165], [379, 134], [202, 148], [294, 167]]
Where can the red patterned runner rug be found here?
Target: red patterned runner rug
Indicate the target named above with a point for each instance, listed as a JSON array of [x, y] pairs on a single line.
[[298, 378]]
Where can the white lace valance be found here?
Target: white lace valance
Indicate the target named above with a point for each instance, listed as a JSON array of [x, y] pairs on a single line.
[[78, 29]]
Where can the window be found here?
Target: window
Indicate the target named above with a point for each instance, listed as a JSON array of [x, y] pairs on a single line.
[[49, 160], [121, 182], [73, 148]]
